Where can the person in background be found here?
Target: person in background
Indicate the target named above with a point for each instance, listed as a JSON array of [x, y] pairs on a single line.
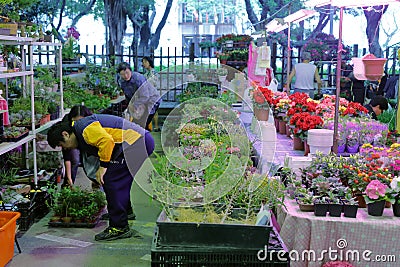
[[142, 98], [121, 147], [152, 77], [376, 106], [72, 157], [305, 73]]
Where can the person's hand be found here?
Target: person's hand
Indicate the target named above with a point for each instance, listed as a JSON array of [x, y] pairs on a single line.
[[99, 175]]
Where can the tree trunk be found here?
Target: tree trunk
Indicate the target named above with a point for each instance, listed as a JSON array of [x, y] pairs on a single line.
[[155, 38], [116, 20], [373, 20]]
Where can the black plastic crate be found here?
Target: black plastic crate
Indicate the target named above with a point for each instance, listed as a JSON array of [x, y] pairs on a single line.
[[168, 256], [24, 223], [211, 234]]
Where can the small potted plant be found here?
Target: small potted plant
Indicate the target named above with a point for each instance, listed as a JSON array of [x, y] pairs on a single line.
[[394, 194], [376, 197], [335, 206], [321, 206], [350, 206], [305, 200], [222, 73]]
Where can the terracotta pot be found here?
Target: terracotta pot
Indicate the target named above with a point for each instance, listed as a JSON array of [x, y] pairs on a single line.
[[297, 143], [288, 132], [360, 199], [261, 114], [223, 61], [282, 127], [306, 148], [276, 121]]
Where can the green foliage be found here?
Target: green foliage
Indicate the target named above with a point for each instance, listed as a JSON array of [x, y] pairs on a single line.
[[102, 79], [76, 202], [388, 117], [75, 95], [197, 89]]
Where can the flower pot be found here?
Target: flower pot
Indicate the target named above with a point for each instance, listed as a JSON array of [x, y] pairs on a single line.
[[388, 204], [350, 211], [297, 143], [335, 210], [323, 149], [341, 148], [320, 209], [222, 78], [261, 114], [223, 61], [66, 219], [396, 208], [306, 207], [306, 148], [276, 121], [288, 130], [352, 149], [369, 67], [360, 199], [282, 127], [376, 208]]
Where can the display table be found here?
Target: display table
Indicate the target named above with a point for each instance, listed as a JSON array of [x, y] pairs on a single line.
[[303, 231]]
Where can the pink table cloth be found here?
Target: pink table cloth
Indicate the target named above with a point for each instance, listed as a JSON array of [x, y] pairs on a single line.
[[374, 239]]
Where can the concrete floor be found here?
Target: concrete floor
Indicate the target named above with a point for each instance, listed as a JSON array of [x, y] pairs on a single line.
[[63, 247]]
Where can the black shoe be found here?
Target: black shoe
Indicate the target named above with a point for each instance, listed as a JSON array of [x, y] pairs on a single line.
[[112, 233], [106, 216]]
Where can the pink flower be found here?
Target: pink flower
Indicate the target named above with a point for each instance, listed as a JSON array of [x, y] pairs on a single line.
[[375, 189]]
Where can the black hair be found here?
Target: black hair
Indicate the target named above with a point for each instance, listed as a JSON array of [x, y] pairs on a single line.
[[79, 110], [151, 62], [123, 66], [54, 135], [381, 101]]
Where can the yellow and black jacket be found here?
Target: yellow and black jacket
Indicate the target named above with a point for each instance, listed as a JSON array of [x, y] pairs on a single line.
[[103, 135]]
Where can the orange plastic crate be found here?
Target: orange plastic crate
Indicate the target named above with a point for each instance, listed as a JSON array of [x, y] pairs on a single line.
[[8, 221]]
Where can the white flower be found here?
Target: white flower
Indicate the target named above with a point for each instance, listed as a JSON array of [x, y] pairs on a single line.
[[395, 184]]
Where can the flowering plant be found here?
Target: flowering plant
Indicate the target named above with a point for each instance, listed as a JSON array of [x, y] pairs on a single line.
[[222, 55], [303, 122], [323, 47], [354, 109], [375, 191], [262, 97], [352, 139], [71, 48]]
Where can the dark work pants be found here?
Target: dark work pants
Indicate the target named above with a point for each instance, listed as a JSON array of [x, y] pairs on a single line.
[[119, 177]]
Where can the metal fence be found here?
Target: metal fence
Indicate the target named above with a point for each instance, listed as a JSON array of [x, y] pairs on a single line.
[[174, 64]]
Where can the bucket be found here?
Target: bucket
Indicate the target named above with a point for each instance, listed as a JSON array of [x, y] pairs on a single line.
[[320, 137], [8, 221]]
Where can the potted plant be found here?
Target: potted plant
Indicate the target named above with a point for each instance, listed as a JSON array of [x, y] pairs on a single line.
[[376, 197], [335, 206], [70, 50], [394, 195], [222, 73], [350, 206], [305, 200], [321, 205], [261, 97]]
